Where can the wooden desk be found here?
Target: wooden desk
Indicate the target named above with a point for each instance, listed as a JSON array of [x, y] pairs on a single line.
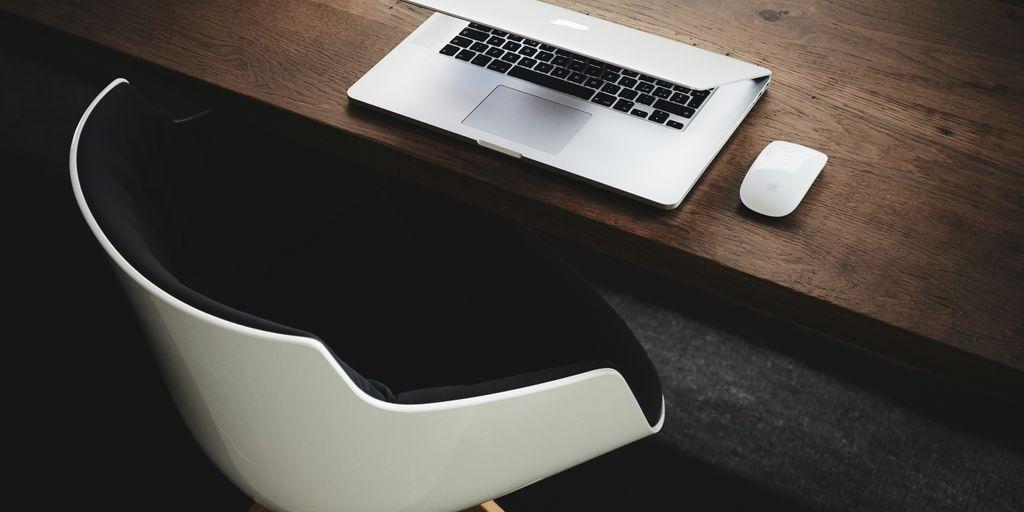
[[909, 245]]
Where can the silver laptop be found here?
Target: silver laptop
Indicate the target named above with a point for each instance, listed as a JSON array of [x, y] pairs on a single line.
[[632, 112]]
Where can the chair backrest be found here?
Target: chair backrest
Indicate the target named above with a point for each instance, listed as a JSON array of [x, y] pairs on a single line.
[[282, 417]]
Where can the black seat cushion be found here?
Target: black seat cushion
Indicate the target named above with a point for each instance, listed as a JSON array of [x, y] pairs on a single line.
[[436, 299]]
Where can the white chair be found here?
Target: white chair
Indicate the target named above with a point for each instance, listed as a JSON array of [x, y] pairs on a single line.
[[291, 424]]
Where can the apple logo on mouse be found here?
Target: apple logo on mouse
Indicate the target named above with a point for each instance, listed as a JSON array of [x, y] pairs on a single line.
[[570, 24]]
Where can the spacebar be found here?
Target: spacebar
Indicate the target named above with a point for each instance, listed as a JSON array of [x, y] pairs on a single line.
[[551, 82]]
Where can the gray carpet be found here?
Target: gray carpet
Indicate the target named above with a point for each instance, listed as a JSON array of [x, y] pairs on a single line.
[[772, 418], [819, 424]]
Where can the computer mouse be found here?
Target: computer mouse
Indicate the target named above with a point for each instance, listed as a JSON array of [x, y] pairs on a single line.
[[780, 177]]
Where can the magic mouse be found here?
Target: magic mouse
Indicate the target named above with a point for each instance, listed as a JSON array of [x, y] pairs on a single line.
[[780, 177]]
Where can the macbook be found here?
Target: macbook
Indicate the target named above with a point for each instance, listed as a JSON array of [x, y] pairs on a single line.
[[632, 112]]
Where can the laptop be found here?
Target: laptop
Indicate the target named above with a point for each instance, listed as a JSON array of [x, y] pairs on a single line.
[[632, 112]]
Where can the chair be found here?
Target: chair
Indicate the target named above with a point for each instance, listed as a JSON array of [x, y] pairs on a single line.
[[300, 425]]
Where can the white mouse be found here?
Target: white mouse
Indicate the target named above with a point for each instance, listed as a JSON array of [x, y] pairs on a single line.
[[779, 178]]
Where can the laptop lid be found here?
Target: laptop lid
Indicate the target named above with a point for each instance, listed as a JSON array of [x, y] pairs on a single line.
[[595, 38]]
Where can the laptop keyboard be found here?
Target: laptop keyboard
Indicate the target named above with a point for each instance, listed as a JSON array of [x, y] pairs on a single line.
[[591, 80]]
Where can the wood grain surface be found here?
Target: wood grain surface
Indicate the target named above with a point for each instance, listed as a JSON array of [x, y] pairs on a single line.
[[910, 244]]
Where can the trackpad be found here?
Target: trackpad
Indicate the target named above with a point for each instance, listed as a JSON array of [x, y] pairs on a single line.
[[527, 119]]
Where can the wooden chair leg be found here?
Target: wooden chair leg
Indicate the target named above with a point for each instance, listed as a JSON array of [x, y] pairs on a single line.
[[490, 506]]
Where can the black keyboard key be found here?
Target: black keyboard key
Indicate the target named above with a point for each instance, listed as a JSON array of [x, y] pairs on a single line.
[[623, 105], [526, 50], [611, 76], [629, 94], [560, 60], [700, 94], [527, 62], [499, 33], [465, 55], [481, 60], [478, 47], [512, 47], [645, 99], [646, 78], [696, 101], [475, 35], [613, 69], [547, 47], [551, 82], [662, 83], [658, 116], [662, 92], [604, 99], [639, 113], [645, 87], [462, 41], [544, 56], [567, 53], [513, 37], [674, 108], [495, 41], [530, 42], [560, 73], [684, 90], [631, 74], [577, 65], [478, 26], [610, 88], [627, 81], [510, 57], [449, 49], [593, 70], [675, 124], [495, 52], [680, 98], [499, 65], [544, 67], [594, 83], [577, 77]]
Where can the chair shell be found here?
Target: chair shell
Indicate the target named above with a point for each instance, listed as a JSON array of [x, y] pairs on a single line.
[[279, 416]]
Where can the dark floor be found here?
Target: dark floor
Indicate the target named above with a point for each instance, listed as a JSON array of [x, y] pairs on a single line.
[[761, 415], [761, 412]]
